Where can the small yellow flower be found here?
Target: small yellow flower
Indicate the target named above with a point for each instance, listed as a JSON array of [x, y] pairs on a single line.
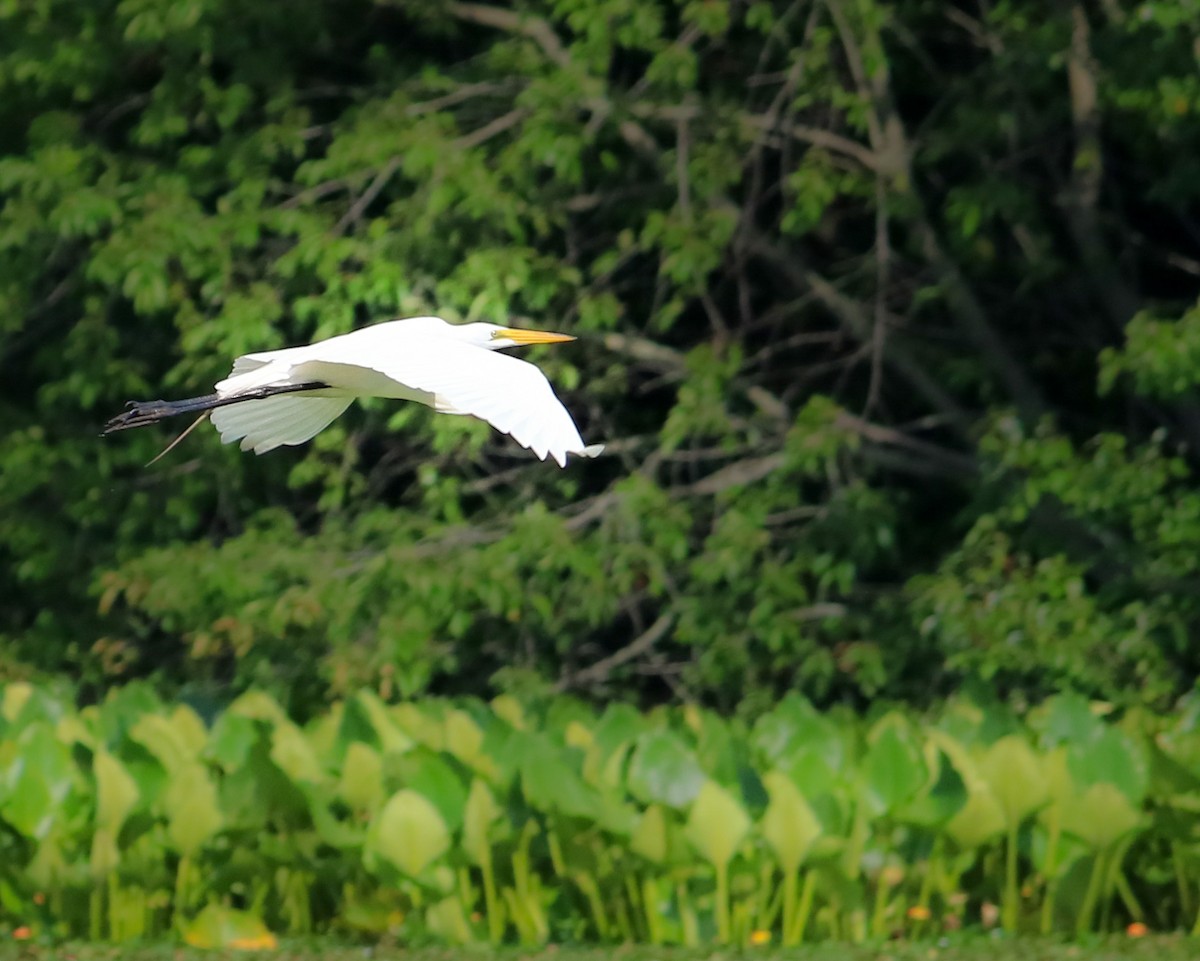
[[760, 937], [1137, 930], [918, 912]]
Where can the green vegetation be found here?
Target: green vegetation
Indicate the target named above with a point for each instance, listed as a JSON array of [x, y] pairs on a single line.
[[472, 823], [852, 283], [882, 610]]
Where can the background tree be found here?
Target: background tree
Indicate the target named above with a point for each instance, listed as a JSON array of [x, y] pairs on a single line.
[[844, 274]]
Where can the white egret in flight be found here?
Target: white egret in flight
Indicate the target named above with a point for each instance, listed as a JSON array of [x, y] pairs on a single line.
[[286, 397]]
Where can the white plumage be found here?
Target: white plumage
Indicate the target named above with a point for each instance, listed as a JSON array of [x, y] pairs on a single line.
[[454, 369]]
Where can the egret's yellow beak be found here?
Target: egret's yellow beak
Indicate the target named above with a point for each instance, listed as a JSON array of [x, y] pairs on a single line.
[[533, 336]]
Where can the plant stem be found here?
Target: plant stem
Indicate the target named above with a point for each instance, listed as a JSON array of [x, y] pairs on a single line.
[[1053, 836], [723, 927], [800, 920], [650, 899], [1084, 922], [790, 907], [1011, 906]]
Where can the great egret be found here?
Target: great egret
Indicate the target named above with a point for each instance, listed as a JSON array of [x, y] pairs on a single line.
[[286, 397]]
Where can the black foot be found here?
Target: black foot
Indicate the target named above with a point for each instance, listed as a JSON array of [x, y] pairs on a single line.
[[140, 413]]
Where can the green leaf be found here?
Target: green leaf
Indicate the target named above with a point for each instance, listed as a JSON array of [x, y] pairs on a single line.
[[980, 820], [361, 783], [192, 809], [716, 824], [1101, 816], [649, 838], [663, 770], [116, 792], [38, 779], [1015, 778], [788, 824], [480, 813], [408, 833], [894, 769]]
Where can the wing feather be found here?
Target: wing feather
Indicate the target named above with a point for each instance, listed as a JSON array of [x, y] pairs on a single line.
[[285, 420], [511, 394]]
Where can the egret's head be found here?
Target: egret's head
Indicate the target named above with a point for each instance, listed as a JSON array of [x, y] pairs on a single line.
[[495, 337]]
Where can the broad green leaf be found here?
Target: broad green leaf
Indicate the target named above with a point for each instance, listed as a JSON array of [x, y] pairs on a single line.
[[418, 724], [190, 727], [447, 920], [259, 706], [361, 782], [794, 738], [788, 824], [233, 738], [509, 709], [943, 794], [480, 813], [550, 784], [1014, 777], [1101, 816], [116, 792], [192, 809], [649, 838], [16, 696], [894, 769], [436, 777], [980, 820], [38, 779], [170, 742], [408, 833], [293, 754], [464, 739], [716, 824], [1111, 757], [1066, 718], [391, 738], [663, 770]]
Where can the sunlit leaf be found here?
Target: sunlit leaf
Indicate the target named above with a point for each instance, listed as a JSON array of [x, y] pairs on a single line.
[[716, 824], [407, 833]]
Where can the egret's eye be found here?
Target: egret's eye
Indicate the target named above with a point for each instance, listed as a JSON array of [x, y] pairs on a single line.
[[496, 334]]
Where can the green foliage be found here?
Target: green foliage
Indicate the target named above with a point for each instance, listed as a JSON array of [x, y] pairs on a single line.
[[376, 819], [817, 258], [1161, 355]]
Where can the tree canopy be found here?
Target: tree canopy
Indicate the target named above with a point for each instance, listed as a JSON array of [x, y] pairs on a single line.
[[887, 314]]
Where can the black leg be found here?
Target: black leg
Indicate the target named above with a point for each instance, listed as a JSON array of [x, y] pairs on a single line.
[[141, 413]]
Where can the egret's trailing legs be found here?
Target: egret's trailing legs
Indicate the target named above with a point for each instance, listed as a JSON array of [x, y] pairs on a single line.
[[141, 413]]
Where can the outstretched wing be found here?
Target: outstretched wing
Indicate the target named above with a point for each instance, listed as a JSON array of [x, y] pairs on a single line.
[[510, 394]]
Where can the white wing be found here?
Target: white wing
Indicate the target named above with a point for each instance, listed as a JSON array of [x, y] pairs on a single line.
[[286, 419], [510, 394]]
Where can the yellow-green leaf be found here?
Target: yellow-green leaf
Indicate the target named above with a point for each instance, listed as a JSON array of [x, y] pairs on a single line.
[[716, 824], [361, 783], [788, 824], [193, 812], [478, 814], [116, 792], [409, 833]]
